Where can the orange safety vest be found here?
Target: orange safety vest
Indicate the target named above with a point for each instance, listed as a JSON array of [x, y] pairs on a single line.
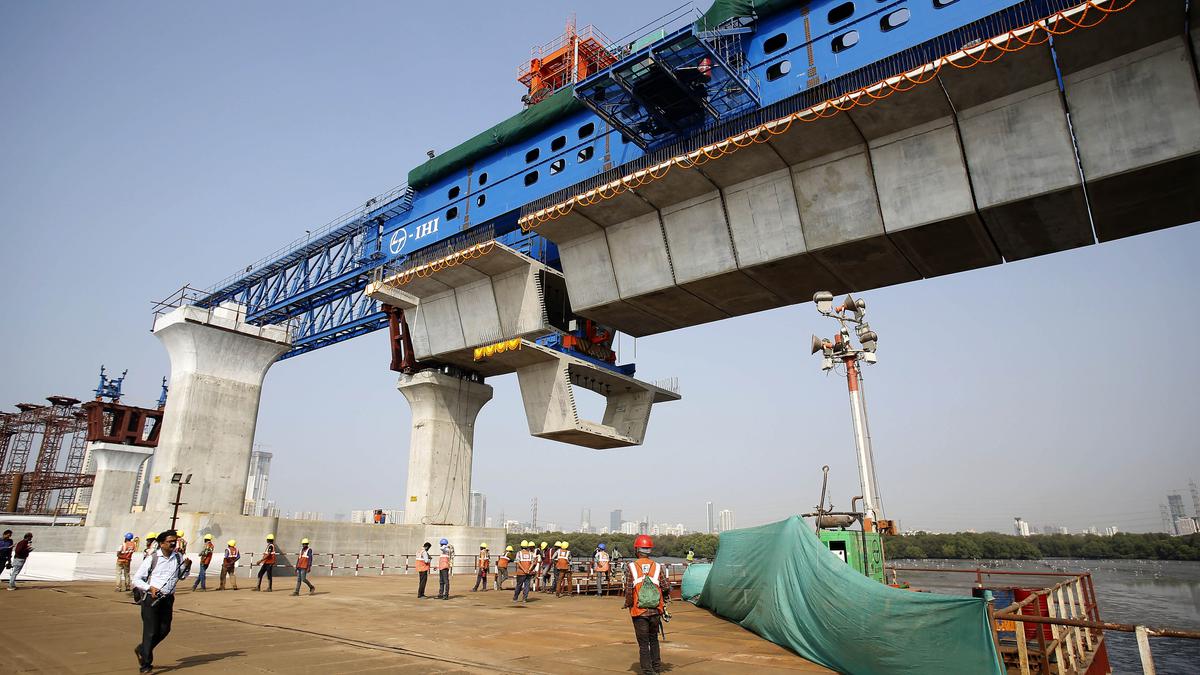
[[269, 556], [127, 550], [304, 560], [443, 561], [641, 571], [562, 559], [524, 563], [231, 556], [502, 561], [602, 561], [485, 561], [207, 554]]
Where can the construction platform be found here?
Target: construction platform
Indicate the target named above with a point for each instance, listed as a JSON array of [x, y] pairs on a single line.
[[365, 624]]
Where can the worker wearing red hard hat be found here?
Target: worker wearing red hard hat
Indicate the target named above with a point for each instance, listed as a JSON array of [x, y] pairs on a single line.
[[647, 591]]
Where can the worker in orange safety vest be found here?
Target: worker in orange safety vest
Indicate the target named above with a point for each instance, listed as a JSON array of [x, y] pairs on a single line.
[[602, 568], [229, 564], [304, 563], [444, 558], [206, 555], [562, 570], [124, 556], [502, 562], [423, 565], [526, 566], [483, 564], [647, 591]]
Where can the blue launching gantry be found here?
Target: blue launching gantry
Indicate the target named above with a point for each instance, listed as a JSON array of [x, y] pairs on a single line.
[[110, 388]]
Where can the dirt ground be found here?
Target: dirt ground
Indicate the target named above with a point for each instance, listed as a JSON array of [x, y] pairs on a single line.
[[361, 625]]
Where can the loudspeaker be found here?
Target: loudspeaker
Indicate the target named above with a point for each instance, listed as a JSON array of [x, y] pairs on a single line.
[[817, 344]]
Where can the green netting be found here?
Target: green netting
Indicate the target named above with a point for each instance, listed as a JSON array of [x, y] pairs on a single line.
[[779, 581], [723, 10], [693, 580], [516, 128]]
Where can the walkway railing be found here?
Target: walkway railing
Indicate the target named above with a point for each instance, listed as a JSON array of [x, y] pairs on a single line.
[[1057, 625]]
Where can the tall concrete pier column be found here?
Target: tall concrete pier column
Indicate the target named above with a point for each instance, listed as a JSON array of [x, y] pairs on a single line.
[[444, 409], [218, 362], [116, 474]]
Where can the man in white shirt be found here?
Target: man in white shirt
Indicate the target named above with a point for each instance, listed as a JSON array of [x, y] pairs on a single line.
[[156, 577]]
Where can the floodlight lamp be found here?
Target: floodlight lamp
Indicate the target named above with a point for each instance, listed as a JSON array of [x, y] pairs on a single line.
[[824, 300], [868, 336], [826, 363], [175, 478], [870, 357]]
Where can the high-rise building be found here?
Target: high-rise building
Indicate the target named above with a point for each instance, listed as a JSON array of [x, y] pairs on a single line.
[[477, 510], [256, 484], [708, 507], [1020, 527], [1110, 531], [725, 520], [615, 520], [1175, 504], [585, 520], [629, 527]]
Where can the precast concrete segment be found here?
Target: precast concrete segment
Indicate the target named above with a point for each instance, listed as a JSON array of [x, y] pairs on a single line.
[[440, 451], [1140, 154], [218, 362], [116, 474]]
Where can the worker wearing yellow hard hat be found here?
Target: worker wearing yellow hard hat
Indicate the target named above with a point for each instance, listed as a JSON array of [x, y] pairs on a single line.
[[229, 564], [150, 544], [502, 562], [483, 565], [304, 563], [206, 554], [267, 562], [526, 561], [542, 576], [562, 570], [181, 544]]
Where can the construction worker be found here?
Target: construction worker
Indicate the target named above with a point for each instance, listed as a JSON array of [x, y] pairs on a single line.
[[483, 564], [601, 567], [423, 561], [229, 564], [647, 591], [206, 554], [691, 557], [526, 564], [268, 565], [546, 561], [502, 562], [562, 570], [151, 544], [444, 558], [181, 545], [304, 562], [124, 557]]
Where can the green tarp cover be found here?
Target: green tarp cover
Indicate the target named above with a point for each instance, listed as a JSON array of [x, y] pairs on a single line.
[[780, 582], [693, 580], [516, 128], [723, 10]]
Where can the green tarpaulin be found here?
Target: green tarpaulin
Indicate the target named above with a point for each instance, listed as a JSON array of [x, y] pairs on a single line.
[[693, 581], [780, 582], [723, 10], [512, 130]]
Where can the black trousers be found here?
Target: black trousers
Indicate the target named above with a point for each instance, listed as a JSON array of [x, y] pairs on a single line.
[[443, 583], [421, 587], [156, 625], [646, 629], [269, 570]]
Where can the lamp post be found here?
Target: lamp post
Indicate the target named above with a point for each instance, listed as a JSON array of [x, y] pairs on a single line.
[[852, 312], [178, 481]]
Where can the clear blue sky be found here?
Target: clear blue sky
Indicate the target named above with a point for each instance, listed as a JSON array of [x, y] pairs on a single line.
[[145, 145]]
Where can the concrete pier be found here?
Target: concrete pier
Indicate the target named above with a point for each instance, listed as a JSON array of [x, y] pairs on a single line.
[[444, 409], [218, 362], [116, 473]]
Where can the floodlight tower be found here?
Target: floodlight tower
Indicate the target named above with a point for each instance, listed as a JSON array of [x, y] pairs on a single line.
[[852, 312]]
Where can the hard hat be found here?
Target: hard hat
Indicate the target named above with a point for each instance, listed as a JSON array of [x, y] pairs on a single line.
[[508, 548], [483, 545], [208, 537], [270, 537], [643, 541], [151, 535], [128, 536], [179, 533], [304, 540], [524, 543], [601, 546], [444, 542], [557, 544], [566, 544], [233, 542], [544, 544]]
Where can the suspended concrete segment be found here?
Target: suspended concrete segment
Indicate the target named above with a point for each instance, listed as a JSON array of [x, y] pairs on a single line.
[[480, 308], [965, 162], [218, 362]]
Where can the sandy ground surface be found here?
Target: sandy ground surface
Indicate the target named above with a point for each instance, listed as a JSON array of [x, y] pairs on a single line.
[[361, 625]]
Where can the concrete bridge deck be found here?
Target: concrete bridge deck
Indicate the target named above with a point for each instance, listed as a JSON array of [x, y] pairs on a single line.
[[364, 624]]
